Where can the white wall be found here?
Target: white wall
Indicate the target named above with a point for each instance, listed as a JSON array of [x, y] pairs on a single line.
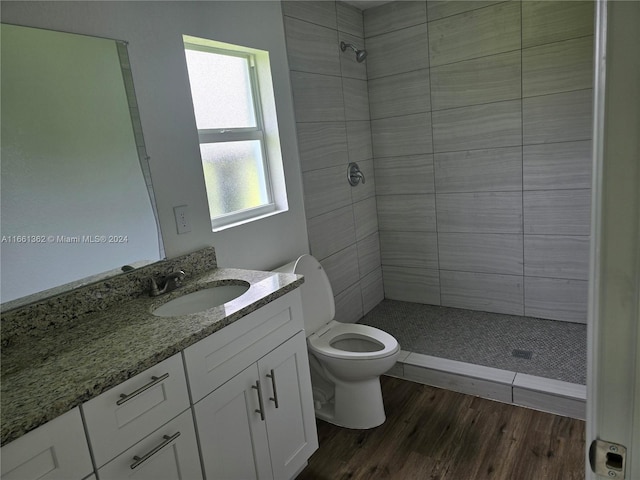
[[154, 31]]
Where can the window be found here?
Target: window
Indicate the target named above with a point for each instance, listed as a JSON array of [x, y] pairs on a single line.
[[237, 154]]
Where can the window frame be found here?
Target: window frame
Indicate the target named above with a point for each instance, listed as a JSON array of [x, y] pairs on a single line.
[[234, 134]]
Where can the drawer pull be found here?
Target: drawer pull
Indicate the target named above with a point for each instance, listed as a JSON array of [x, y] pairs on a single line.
[[272, 376], [154, 381], [261, 409], [167, 440]]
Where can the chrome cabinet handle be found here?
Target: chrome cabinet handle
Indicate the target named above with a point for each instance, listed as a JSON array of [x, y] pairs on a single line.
[[274, 399], [260, 402], [167, 440], [154, 381]]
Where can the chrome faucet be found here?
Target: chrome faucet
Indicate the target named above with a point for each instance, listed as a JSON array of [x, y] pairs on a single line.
[[166, 284]]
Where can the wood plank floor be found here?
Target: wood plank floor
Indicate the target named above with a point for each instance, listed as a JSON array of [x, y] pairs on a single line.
[[437, 434]]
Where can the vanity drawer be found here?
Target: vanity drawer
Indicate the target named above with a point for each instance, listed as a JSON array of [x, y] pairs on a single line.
[[126, 414], [56, 450], [221, 356], [169, 452]]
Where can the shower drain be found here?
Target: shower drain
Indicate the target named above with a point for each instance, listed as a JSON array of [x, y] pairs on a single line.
[[526, 354]]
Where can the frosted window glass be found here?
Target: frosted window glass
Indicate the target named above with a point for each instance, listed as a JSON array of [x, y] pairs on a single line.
[[234, 175], [221, 90]]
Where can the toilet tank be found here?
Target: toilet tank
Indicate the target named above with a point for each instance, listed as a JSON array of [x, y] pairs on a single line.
[[318, 305]]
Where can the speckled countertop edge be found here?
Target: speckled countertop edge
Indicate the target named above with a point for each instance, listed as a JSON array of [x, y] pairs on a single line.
[[45, 378]]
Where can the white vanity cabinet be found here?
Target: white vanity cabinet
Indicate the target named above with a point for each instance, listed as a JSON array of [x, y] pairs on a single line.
[[56, 450], [252, 393], [249, 392]]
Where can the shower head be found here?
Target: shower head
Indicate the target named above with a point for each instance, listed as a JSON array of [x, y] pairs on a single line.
[[360, 54]]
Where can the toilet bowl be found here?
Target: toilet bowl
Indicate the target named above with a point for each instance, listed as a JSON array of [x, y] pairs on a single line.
[[346, 359]]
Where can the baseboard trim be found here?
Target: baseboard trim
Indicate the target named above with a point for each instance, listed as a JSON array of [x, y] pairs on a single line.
[[539, 393]]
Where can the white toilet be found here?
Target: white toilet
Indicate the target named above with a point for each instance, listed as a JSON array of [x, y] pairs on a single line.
[[346, 359]]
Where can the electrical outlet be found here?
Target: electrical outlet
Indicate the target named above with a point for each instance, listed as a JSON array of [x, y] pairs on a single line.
[[182, 219]]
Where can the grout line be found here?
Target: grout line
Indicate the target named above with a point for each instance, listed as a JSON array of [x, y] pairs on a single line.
[[392, 117], [397, 74], [524, 305], [484, 273], [572, 235], [466, 192], [475, 58], [467, 11], [557, 41], [284, 15], [349, 159], [435, 191], [306, 72], [477, 149], [521, 97], [514, 99], [405, 27], [373, 160], [557, 93], [509, 275], [344, 107]]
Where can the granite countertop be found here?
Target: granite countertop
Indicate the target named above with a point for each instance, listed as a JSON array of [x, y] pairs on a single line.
[[46, 377]]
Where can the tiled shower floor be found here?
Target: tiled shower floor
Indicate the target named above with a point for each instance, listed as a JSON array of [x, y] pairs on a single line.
[[558, 349]]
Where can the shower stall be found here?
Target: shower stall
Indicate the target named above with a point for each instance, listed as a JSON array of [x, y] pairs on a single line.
[[472, 123]]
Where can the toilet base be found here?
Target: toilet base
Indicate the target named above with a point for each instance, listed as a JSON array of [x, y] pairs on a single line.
[[356, 405]]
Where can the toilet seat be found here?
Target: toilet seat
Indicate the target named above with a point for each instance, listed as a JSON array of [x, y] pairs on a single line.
[[321, 342]]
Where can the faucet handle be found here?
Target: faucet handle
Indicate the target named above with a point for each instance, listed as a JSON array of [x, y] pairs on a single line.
[[178, 276]]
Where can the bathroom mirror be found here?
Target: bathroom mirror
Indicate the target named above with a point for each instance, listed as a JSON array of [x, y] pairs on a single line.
[[76, 193]]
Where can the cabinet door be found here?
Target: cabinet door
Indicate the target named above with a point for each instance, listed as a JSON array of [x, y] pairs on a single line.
[[56, 450], [171, 453], [233, 435], [286, 383]]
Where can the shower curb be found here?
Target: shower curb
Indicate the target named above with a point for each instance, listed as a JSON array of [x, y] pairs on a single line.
[[539, 393]]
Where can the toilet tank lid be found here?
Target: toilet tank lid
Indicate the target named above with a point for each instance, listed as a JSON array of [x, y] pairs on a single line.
[[317, 296]]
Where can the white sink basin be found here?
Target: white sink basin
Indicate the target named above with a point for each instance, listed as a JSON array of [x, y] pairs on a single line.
[[200, 300]]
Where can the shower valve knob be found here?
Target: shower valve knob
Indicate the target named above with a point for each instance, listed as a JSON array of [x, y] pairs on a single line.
[[354, 175]]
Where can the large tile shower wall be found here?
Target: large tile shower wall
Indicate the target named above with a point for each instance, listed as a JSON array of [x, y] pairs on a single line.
[[481, 129], [332, 113]]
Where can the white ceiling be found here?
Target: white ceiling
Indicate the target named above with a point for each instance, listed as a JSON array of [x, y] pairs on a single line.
[[364, 4]]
